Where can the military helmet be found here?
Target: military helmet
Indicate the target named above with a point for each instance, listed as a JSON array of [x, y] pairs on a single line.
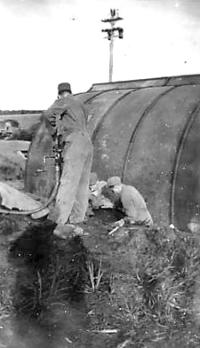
[[114, 180], [64, 87]]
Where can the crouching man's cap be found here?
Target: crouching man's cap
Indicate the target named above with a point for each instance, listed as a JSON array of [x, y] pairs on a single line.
[[64, 87], [114, 180]]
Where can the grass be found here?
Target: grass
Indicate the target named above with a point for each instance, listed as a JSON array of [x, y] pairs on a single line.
[[144, 286], [160, 296], [95, 276], [153, 295]]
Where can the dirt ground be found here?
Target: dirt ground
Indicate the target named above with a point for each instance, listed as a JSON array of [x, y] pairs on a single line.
[[136, 288]]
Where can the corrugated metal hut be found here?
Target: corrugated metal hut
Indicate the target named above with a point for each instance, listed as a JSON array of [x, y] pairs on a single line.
[[148, 133]]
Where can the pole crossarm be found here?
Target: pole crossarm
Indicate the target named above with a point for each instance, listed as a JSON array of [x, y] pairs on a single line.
[[115, 19], [112, 31]]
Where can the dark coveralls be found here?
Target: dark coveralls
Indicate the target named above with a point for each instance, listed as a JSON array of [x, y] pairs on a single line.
[[67, 117]]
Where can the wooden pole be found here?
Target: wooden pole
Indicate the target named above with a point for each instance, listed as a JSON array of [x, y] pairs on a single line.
[[111, 55], [110, 32]]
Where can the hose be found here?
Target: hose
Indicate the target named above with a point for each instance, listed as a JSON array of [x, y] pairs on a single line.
[[51, 198]]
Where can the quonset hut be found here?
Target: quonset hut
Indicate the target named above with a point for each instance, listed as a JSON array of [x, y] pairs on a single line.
[[148, 133]]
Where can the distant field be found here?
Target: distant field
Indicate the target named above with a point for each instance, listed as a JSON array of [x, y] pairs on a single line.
[[12, 159], [25, 120], [13, 145], [13, 152]]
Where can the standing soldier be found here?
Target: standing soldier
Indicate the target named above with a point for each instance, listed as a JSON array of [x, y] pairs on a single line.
[[67, 117]]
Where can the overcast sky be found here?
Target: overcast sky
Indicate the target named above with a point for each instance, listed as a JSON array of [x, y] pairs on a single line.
[[44, 42]]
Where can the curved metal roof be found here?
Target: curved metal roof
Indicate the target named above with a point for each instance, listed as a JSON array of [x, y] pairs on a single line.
[[143, 131]]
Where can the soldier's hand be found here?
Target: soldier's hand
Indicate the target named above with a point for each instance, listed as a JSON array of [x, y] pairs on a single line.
[[52, 119], [119, 223], [50, 116]]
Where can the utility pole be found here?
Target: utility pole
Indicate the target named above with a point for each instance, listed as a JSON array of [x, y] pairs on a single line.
[[114, 17]]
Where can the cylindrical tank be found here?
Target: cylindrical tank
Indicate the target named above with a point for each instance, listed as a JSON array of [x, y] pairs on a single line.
[[148, 133]]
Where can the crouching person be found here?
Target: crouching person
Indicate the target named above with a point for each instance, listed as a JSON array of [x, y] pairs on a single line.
[[133, 204]]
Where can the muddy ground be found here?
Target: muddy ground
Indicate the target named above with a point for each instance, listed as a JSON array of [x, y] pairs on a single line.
[[136, 288]]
